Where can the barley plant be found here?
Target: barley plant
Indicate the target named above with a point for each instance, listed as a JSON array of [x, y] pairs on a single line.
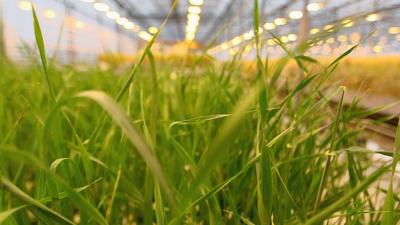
[[187, 144]]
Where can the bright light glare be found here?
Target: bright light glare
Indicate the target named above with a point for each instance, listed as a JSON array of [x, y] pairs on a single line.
[[394, 30], [153, 30], [145, 36], [112, 15], [314, 31], [194, 10], [101, 7], [312, 7], [372, 17], [269, 26], [49, 13], [377, 49], [296, 14], [25, 5], [79, 24], [196, 2], [122, 20], [292, 37], [347, 23], [280, 21]]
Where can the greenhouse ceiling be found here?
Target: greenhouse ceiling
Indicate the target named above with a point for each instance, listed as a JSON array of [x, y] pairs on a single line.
[[231, 17]]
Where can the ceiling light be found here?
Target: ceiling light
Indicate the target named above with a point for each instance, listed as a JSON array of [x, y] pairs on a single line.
[[153, 30], [196, 2], [284, 39], [145, 36], [330, 40], [269, 26], [194, 10], [347, 23], [112, 15], [280, 21], [49, 13], [372, 17], [377, 49], [296, 14], [342, 38], [101, 7], [312, 7], [129, 25], [328, 27], [122, 20], [314, 31], [270, 42], [25, 5], [79, 24], [292, 37], [394, 30]]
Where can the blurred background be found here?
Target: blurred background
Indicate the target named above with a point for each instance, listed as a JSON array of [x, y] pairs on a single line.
[[84, 30]]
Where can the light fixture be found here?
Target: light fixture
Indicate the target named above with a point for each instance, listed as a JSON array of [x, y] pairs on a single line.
[[49, 13], [153, 30], [372, 17], [237, 40], [347, 23], [196, 2], [79, 24], [25, 5], [328, 27], [377, 49], [122, 20], [269, 26], [314, 30], [342, 38], [248, 35], [296, 14], [292, 37], [330, 40], [280, 21], [112, 15], [129, 25], [194, 9], [270, 42], [394, 30], [101, 7], [284, 39], [145, 36], [312, 7]]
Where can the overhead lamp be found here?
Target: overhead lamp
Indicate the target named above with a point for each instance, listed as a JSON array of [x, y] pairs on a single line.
[[269, 26], [372, 17], [292, 37], [270, 42], [237, 40], [101, 7], [342, 38], [280, 21], [330, 40], [248, 35], [347, 23], [122, 20], [49, 13], [194, 9], [196, 2], [129, 25], [314, 30], [193, 17], [296, 14], [394, 30], [377, 49], [153, 30], [313, 7], [284, 39], [145, 36], [79, 24], [25, 5], [113, 15], [328, 27]]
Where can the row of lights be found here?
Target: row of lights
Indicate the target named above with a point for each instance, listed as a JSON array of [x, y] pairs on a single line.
[[292, 37], [103, 8], [279, 21], [123, 21], [48, 13], [193, 19]]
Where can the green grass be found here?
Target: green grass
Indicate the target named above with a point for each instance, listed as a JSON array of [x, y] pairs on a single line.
[[167, 145]]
